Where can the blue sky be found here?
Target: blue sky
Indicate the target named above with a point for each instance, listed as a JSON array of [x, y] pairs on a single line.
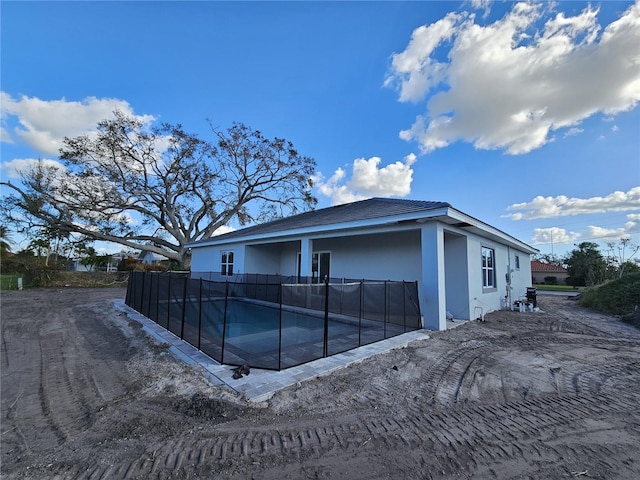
[[523, 115]]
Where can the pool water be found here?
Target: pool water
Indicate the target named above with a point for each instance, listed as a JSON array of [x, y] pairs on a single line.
[[259, 335]]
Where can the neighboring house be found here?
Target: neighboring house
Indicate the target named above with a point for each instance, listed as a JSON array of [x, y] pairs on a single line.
[[149, 258], [540, 270], [462, 265], [112, 266]]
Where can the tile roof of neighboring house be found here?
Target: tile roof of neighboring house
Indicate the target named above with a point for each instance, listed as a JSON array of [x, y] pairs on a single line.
[[537, 266], [348, 212]]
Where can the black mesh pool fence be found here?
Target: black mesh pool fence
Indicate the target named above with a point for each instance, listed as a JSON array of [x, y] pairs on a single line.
[[271, 321]]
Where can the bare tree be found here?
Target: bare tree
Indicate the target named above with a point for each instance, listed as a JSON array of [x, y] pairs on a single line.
[[620, 254], [159, 189]]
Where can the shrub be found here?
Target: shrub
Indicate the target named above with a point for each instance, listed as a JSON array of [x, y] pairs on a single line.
[[154, 267], [129, 264], [551, 280], [33, 269], [617, 297]]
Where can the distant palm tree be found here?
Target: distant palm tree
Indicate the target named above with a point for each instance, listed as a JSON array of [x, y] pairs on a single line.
[[5, 239]]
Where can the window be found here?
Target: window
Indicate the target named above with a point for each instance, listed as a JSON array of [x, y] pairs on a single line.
[[488, 268], [226, 263], [517, 262]]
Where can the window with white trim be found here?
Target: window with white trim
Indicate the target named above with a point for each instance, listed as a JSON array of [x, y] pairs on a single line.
[[488, 268], [226, 262]]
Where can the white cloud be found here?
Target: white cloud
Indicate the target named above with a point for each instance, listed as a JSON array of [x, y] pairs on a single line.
[[43, 124], [4, 136], [615, 128], [573, 131], [414, 68], [368, 180], [552, 235], [508, 84], [16, 167], [613, 233], [633, 217], [560, 206]]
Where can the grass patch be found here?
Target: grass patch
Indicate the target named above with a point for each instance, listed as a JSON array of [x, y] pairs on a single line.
[[618, 297], [67, 279], [8, 282]]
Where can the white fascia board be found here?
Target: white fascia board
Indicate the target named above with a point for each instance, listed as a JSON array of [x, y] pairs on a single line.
[[486, 230]]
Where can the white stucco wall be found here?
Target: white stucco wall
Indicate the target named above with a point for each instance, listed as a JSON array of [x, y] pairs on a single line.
[[207, 259], [388, 256], [491, 300], [262, 259]]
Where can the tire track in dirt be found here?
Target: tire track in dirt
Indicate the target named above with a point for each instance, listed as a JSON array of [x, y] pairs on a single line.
[[22, 372], [450, 432], [594, 378], [481, 429], [442, 382], [46, 373], [65, 408]]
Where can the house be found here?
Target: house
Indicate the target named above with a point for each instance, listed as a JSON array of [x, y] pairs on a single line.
[[149, 258], [541, 270], [462, 265]]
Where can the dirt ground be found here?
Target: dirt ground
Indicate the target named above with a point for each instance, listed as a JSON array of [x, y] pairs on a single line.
[[85, 394]]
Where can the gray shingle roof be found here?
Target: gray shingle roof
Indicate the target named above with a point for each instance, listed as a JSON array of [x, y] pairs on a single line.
[[348, 212]]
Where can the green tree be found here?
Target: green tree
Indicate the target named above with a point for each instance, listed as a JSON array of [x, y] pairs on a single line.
[[49, 241], [585, 265], [6, 241], [549, 258], [159, 189]]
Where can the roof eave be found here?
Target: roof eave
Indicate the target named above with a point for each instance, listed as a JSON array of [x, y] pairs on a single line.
[[336, 227], [448, 215]]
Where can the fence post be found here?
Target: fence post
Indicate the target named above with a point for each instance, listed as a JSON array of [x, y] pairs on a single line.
[[224, 320], [199, 312], [326, 317], [184, 305], [404, 306], [141, 297], [149, 300], [420, 316], [280, 330], [169, 303], [360, 313], [386, 307]]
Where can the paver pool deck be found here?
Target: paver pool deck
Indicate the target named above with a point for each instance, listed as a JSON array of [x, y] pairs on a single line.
[[260, 385]]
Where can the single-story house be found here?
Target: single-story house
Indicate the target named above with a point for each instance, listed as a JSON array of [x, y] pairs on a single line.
[[541, 270], [463, 266], [149, 258]]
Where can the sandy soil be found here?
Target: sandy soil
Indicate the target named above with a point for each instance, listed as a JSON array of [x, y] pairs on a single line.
[[85, 394]]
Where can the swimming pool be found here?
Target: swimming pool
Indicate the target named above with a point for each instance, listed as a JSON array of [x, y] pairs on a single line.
[[258, 334], [283, 329]]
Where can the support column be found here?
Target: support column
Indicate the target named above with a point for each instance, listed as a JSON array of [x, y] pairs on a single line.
[[306, 257], [433, 302]]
